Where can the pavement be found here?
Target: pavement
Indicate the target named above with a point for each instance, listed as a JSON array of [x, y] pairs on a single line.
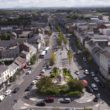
[[22, 104], [87, 97]]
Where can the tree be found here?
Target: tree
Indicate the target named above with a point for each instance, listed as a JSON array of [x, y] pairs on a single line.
[[33, 59], [45, 86], [65, 41], [55, 71], [70, 55], [60, 39], [5, 36], [53, 58], [75, 85]]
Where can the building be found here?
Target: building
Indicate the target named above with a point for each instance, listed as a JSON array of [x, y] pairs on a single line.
[[106, 31], [9, 50], [28, 48], [5, 73], [21, 62], [105, 64], [105, 18], [12, 69], [25, 34], [25, 55]]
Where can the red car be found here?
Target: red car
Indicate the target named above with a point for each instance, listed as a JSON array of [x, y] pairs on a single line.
[[49, 100]]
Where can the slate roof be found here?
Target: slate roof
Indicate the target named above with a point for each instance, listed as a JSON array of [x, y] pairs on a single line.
[[3, 68]]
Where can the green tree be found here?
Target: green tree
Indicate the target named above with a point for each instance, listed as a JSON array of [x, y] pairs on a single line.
[[5, 36], [46, 87], [60, 39], [70, 55], [55, 71], [53, 58], [75, 85], [65, 41], [33, 59]]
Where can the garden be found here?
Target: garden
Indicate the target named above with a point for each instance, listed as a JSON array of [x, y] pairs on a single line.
[[60, 83]]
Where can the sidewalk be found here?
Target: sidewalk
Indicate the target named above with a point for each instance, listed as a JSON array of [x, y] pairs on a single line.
[[20, 78], [72, 67], [87, 97], [101, 106]]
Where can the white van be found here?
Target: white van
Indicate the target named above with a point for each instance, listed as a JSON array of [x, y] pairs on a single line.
[[2, 97]]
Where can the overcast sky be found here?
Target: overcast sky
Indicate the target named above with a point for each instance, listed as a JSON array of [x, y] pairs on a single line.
[[52, 3]]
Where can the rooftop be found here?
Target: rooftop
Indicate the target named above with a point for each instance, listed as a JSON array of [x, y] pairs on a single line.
[[20, 61], [13, 65], [2, 68]]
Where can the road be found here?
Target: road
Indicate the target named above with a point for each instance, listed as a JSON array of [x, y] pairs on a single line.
[[9, 101], [105, 96]]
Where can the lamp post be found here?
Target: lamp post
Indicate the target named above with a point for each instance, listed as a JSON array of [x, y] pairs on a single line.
[[99, 102]]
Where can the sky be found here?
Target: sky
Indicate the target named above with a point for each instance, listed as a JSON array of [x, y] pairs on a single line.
[[53, 3]]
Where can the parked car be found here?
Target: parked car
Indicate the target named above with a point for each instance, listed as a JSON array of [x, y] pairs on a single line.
[[49, 99], [28, 88], [84, 59], [34, 82], [38, 77], [2, 97], [89, 89], [43, 71], [15, 100], [101, 84], [94, 87], [97, 97], [96, 79], [86, 71], [41, 103], [77, 72], [28, 72], [65, 100], [92, 74], [8, 92], [15, 90]]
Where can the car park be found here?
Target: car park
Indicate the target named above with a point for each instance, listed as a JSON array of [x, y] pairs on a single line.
[[94, 87], [96, 79], [41, 103], [65, 100], [86, 72], [15, 90]]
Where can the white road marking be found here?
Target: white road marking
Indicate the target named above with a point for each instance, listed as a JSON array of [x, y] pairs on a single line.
[[96, 105]]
